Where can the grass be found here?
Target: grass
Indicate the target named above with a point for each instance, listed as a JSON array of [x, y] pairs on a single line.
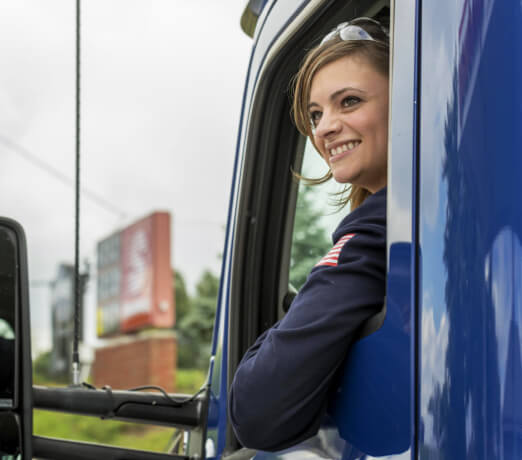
[[189, 380], [92, 429], [115, 433]]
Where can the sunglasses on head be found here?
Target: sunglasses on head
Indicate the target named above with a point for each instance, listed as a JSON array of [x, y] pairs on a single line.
[[348, 31]]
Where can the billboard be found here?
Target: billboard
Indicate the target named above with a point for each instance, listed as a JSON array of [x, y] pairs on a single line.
[[135, 283]]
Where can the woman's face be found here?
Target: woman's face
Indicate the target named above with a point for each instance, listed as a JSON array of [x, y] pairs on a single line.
[[349, 109]]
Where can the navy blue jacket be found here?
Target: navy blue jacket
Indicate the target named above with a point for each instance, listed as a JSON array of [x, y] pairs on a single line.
[[281, 387]]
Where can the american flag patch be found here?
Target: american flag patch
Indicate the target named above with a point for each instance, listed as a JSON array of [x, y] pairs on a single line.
[[332, 257]]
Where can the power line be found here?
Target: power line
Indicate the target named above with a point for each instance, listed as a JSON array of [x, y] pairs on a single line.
[[58, 175]]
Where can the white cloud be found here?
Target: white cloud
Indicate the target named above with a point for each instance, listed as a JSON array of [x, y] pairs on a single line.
[[504, 275], [433, 352], [433, 123]]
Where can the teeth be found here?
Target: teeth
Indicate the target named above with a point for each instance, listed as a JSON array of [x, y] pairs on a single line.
[[344, 148]]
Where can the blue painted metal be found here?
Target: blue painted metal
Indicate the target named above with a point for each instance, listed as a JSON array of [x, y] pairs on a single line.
[[470, 230], [415, 253], [372, 406]]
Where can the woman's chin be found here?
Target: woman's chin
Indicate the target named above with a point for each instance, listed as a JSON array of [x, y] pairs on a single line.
[[342, 177]]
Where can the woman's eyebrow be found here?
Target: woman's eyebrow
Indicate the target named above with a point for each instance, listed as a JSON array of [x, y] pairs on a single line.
[[336, 94]]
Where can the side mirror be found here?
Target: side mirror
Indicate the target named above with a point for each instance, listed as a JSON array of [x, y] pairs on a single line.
[[15, 345]]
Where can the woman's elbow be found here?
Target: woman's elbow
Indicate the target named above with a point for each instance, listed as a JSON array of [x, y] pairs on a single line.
[[251, 424], [254, 421], [259, 424]]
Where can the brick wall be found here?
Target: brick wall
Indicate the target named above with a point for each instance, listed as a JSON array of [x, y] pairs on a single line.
[[143, 361]]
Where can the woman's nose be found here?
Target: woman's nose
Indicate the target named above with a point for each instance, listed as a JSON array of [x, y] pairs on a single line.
[[328, 125]]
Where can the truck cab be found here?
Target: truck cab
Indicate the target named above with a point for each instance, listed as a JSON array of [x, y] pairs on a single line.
[[437, 373]]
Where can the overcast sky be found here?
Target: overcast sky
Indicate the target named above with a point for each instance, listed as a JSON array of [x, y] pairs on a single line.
[[162, 83]]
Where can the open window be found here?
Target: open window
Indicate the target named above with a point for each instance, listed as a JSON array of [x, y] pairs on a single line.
[[271, 239]]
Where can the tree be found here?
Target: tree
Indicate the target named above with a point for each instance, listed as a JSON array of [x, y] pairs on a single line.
[[182, 300], [43, 372], [310, 240], [196, 326]]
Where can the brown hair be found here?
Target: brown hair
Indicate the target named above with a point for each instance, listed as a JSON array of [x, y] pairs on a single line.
[[375, 52]]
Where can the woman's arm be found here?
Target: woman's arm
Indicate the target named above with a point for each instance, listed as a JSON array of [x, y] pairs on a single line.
[[280, 391]]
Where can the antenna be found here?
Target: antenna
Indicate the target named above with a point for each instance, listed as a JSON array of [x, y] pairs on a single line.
[[78, 288]]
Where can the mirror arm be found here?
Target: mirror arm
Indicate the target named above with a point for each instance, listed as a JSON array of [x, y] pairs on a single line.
[[180, 411]]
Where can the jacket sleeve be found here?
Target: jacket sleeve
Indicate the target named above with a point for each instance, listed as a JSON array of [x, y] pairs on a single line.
[[280, 390]]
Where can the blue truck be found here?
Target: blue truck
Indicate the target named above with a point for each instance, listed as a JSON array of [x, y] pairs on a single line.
[[437, 374]]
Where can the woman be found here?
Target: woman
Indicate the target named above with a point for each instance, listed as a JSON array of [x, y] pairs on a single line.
[[280, 392]]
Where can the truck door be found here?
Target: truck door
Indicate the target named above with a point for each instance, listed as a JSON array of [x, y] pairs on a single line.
[[372, 414], [470, 231]]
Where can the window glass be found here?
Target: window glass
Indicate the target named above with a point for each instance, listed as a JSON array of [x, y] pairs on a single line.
[[316, 218], [161, 89], [37, 140]]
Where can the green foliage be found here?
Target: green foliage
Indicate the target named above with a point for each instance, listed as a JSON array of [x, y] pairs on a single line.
[[310, 240], [181, 296], [42, 367], [187, 352], [95, 430], [196, 324], [208, 285], [42, 373], [189, 381], [114, 433]]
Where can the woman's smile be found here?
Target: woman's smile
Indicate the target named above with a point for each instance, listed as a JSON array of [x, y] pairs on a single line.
[[342, 150], [349, 112]]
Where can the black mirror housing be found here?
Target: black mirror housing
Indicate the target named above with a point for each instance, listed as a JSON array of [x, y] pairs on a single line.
[[15, 344]]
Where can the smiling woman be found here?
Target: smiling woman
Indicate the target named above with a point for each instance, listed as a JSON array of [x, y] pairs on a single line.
[[341, 104], [352, 72], [349, 112]]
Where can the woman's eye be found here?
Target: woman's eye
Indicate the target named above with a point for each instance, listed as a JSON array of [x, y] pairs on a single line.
[[315, 117], [350, 101]]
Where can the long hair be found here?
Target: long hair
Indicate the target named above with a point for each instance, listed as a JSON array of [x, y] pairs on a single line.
[[375, 52]]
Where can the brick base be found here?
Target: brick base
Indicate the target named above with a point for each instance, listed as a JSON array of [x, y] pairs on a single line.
[[137, 362]]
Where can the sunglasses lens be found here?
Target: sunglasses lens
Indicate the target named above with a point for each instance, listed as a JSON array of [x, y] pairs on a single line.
[[351, 31], [354, 33]]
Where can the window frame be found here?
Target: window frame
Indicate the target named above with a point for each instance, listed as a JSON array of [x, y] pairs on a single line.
[[272, 147]]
